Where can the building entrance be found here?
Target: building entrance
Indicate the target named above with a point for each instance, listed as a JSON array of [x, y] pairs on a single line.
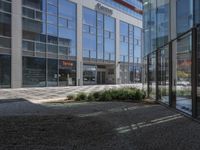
[[101, 77]]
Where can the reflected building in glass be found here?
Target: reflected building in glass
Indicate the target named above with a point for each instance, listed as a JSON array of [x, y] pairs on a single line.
[[171, 53], [45, 43]]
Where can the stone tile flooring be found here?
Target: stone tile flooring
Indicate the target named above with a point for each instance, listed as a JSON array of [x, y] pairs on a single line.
[[96, 126], [52, 93]]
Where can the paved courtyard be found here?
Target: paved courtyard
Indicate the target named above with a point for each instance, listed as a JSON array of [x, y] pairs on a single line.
[[54, 93], [95, 126]]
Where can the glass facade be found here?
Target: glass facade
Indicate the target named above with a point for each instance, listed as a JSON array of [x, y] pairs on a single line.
[[89, 34], [184, 14], [5, 71], [163, 74], [48, 45], [47, 28], [5, 43], [156, 24], [183, 73], [171, 37], [49, 34], [98, 36], [130, 53]]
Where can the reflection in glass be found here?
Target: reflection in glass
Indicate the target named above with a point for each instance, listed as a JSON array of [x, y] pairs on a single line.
[[89, 36], [5, 71], [152, 75], [163, 75], [184, 15], [89, 75], [34, 72], [52, 72], [183, 74], [67, 73]]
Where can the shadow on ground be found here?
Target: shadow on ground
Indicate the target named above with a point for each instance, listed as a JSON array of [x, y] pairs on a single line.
[[95, 126]]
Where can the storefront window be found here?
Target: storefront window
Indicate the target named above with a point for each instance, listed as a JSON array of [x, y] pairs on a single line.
[[67, 73], [34, 72], [89, 75]]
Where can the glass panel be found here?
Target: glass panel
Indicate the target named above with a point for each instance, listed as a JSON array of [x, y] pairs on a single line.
[[109, 38], [124, 44], [5, 24], [5, 71], [162, 22], [145, 75], [34, 72], [89, 75], [34, 3], [40, 47], [198, 71], [67, 73], [152, 75], [89, 38], [184, 15], [52, 72], [28, 46], [183, 74], [163, 75]]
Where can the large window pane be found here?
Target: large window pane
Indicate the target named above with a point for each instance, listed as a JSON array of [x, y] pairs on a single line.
[[52, 72], [67, 73], [89, 38], [34, 72], [162, 22], [5, 71], [152, 75], [89, 74], [183, 73], [163, 75], [5, 24], [184, 15]]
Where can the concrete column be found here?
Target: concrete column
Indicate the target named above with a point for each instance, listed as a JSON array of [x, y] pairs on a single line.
[[79, 72], [16, 61], [117, 64]]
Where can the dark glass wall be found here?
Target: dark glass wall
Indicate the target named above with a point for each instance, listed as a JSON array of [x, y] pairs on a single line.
[[34, 72], [5, 71], [5, 43]]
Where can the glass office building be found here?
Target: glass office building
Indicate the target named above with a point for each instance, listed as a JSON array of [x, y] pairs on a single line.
[[171, 53], [45, 43]]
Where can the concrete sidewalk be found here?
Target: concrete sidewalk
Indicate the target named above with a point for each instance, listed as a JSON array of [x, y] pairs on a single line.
[[53, 93]]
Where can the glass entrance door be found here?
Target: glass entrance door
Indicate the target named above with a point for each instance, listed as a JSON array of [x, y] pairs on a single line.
[[101, 77]]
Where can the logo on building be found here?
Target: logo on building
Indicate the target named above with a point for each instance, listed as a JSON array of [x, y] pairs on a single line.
[[103, 9]]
